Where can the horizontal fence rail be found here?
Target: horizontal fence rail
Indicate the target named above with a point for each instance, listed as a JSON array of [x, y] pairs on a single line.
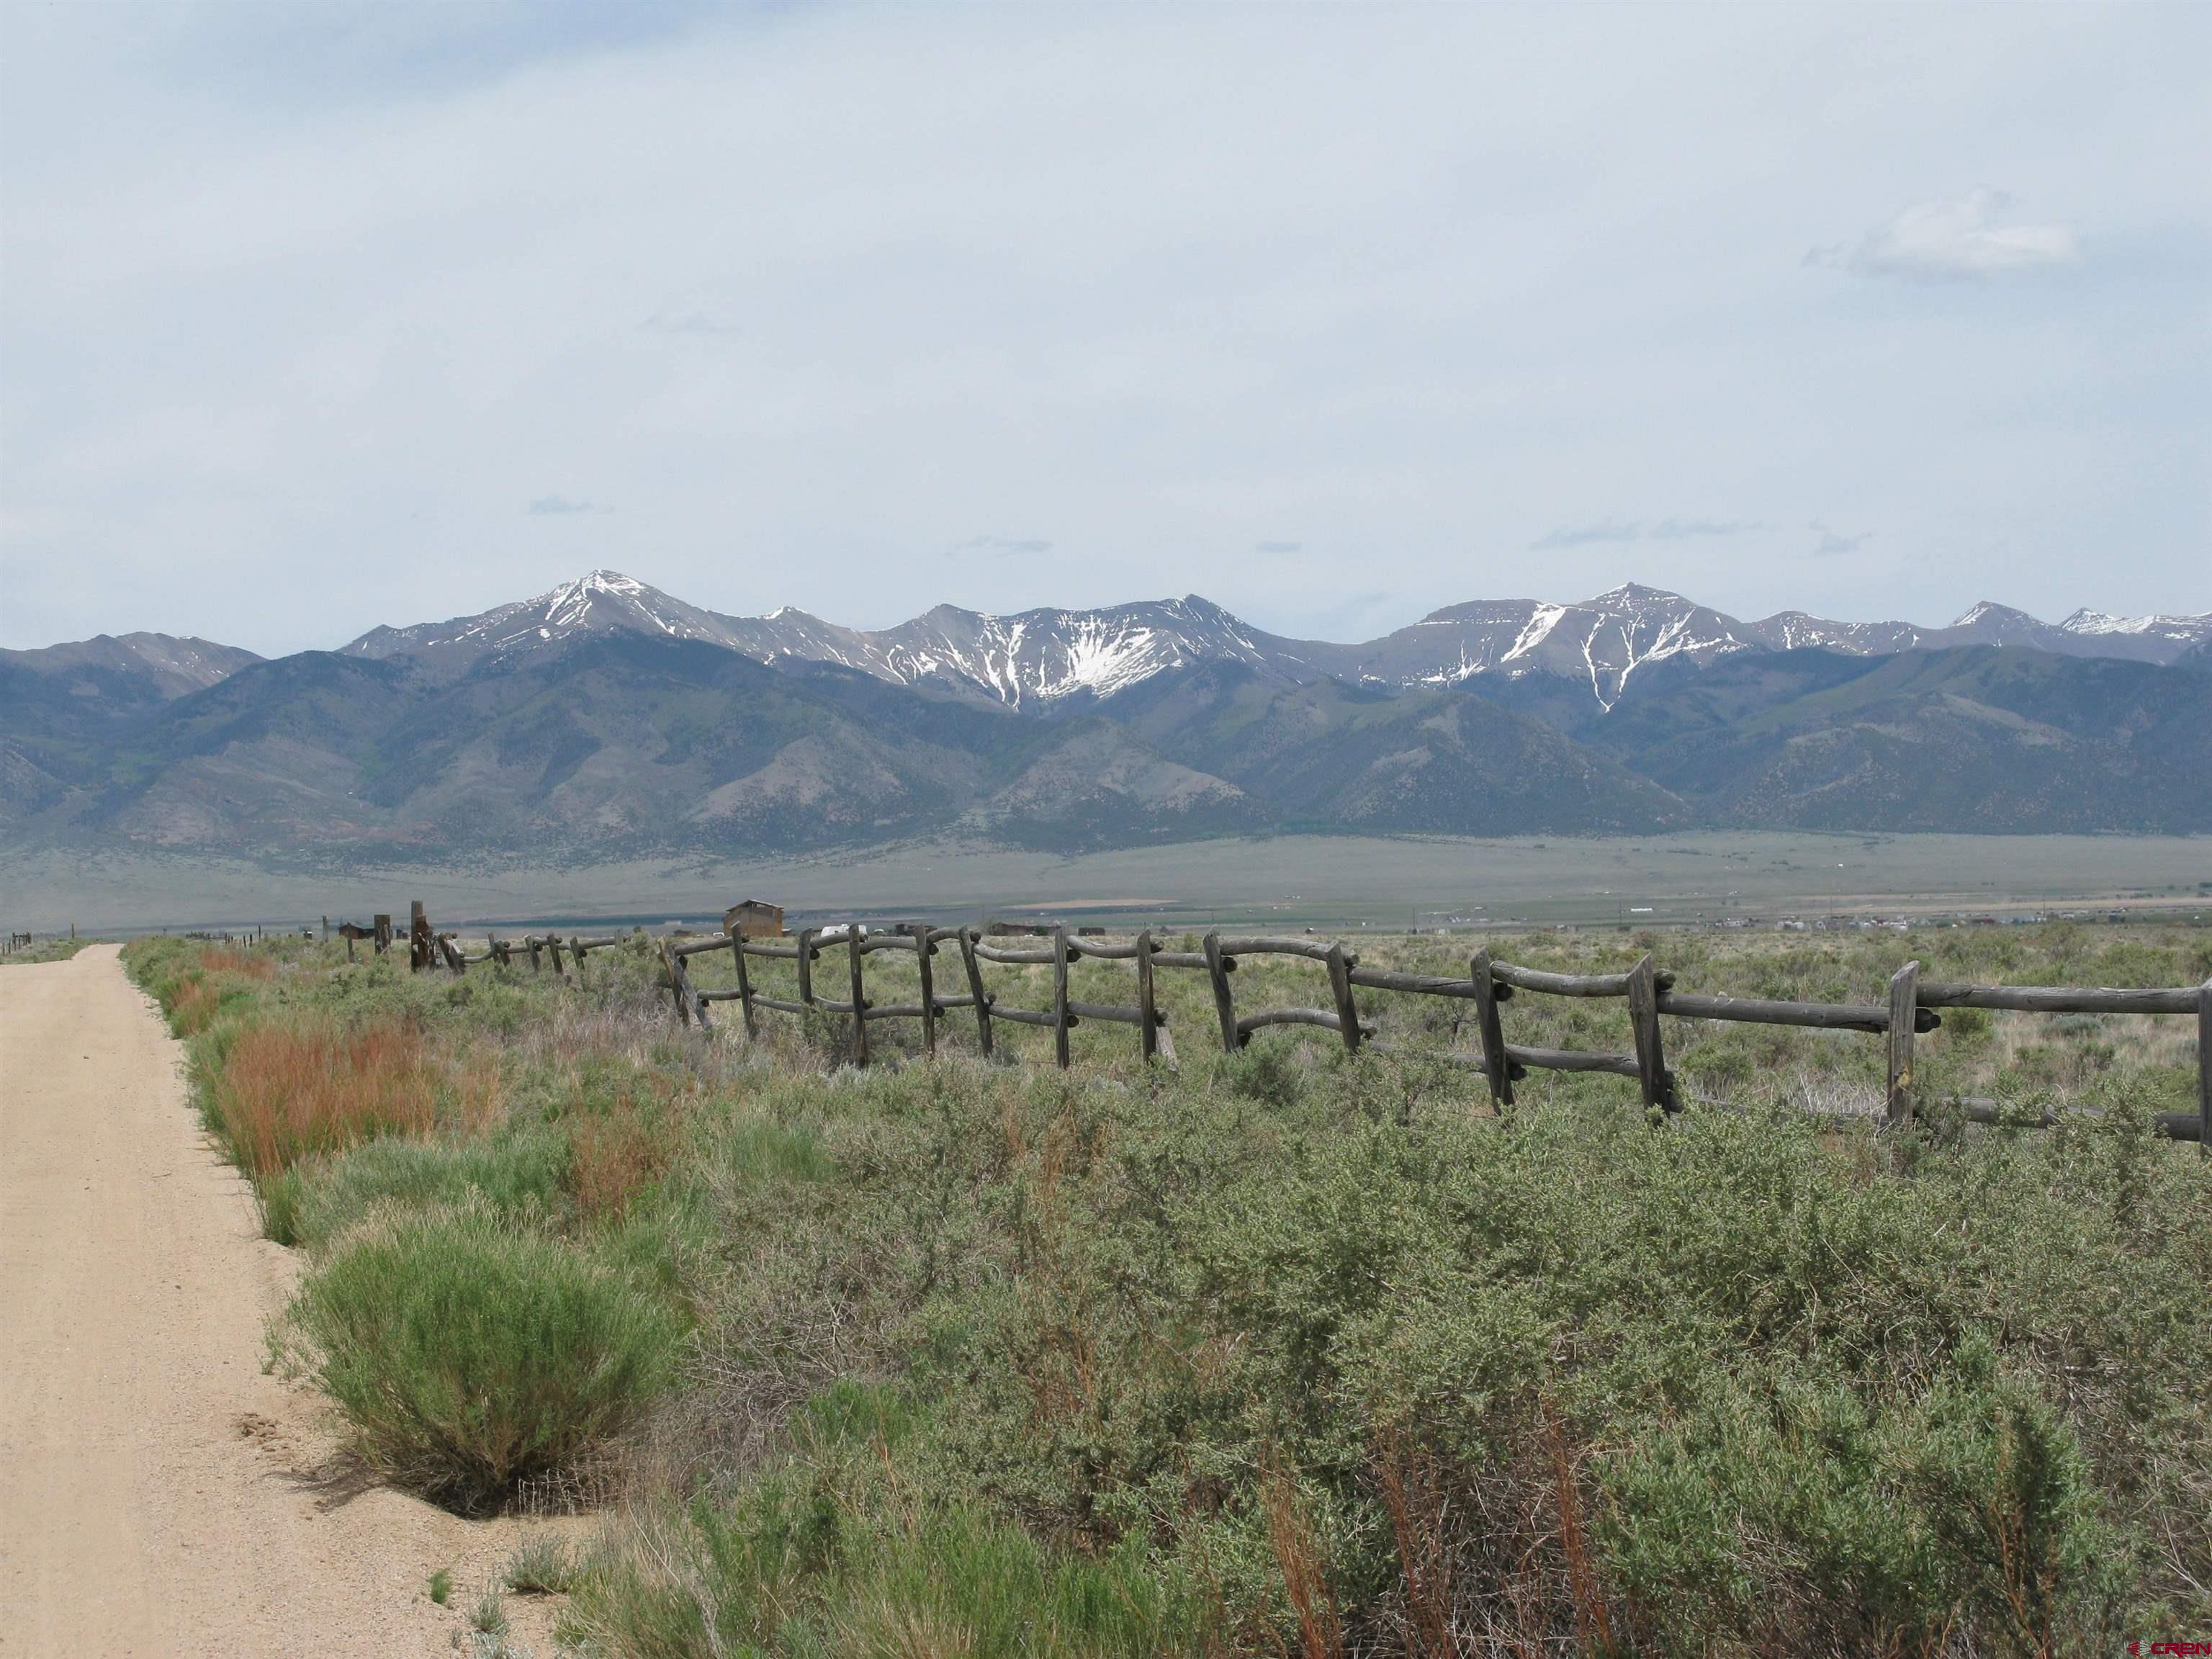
[[1910, 1009]]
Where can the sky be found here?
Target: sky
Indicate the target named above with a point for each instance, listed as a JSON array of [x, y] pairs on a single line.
[[318, 316]]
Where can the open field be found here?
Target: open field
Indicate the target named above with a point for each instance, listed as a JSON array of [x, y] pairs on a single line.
[[1322, 881], [1284, 1351]]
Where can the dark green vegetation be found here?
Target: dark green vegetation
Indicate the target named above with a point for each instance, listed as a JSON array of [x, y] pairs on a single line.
[[1283, 1351], [630, 743]]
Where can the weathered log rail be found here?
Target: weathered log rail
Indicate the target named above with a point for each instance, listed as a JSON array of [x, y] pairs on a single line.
[[1910, 1010]]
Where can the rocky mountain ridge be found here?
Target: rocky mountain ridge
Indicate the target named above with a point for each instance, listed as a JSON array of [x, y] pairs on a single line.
[[1040, 656]]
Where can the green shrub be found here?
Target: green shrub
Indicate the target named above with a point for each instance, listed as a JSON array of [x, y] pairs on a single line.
[[469, 1353]]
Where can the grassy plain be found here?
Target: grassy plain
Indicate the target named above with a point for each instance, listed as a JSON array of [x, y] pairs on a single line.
[[1283, 1351], [1326, 881]]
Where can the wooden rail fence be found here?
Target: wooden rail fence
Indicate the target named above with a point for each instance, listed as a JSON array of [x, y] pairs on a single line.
[[1910, 1009]]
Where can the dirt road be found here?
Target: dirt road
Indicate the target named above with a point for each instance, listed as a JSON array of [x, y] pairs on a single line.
[[158, 1492]]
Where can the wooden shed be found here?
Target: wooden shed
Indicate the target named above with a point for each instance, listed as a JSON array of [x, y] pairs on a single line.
[[753, 919]]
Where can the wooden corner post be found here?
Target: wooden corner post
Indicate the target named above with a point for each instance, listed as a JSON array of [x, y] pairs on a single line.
[[1904, 1017], [1148, 1009], [1495, 1069], [1652, 1076], [1217, 969], [421, 952], [982, 997]]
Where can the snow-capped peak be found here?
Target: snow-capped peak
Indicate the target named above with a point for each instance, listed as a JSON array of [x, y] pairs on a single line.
[[2097, 622]]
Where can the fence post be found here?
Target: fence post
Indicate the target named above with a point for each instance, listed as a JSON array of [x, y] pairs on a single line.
[[2204, 1069], [744, 985], [1903, 1016], [806, 968], [1651, 1058], [1217, 970], [1059, 997], [419, 949], [576, 951], [692, 1001], [1148, 1010], [1495, 1067], [383, 924], [859, 1001], [922, 951], [974, 968], [1340, 987], [675, 985]]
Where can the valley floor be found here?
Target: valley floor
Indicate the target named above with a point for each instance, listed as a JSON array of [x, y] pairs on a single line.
[[1339, 882]]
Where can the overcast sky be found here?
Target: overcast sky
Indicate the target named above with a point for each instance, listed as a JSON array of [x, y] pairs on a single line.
[[313, 318]]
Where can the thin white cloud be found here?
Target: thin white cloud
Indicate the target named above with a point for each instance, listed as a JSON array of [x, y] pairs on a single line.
[[1587, 535], [1277, 547], [1682, 530], [1954, 237], [550, 506], [1637, 529], [999, 547], [1831, 543]]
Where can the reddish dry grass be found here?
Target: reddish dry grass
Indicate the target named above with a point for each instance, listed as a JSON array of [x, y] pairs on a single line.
[[1305, 1572], [192, 1006], [477, 1090], [1593, 1627], [236, 962], [289, 1092], [1418, 1522], [612, 1157]]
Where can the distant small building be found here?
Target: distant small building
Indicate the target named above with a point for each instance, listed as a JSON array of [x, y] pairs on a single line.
[[753, 919]]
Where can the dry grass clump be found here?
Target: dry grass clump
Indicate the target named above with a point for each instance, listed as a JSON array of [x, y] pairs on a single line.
[[285, 1092], [192, 1006], [612, 1157], [237, 962]]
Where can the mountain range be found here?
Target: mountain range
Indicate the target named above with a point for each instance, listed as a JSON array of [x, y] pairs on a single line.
[[1037, 656], [608, 719]]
